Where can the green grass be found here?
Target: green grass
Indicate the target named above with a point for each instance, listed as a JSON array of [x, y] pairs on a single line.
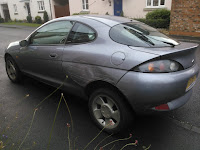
[[22, 24]]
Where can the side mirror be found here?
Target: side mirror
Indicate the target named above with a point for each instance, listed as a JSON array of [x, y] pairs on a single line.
[[23, 43]]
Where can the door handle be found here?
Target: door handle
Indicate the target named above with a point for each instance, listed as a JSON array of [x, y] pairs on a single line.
[[53, 55]]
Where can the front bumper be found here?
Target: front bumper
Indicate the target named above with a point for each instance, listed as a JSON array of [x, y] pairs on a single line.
[[147, 90]]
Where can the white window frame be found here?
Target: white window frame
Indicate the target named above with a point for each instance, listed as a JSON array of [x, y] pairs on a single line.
[[15, 8], [155, 6], [41, 6], [84, 4]]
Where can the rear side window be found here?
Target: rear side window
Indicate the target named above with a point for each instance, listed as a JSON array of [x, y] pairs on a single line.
[[81, 33], [53, 33]]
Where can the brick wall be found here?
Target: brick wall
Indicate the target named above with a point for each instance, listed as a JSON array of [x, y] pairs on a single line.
[[185, 18]]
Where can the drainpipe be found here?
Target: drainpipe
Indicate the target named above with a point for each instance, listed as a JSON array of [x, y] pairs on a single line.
[[50, 9]]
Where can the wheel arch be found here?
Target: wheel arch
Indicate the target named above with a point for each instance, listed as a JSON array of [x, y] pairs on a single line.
[[92, 86], [7, 55], [18, 75], [14, 58]]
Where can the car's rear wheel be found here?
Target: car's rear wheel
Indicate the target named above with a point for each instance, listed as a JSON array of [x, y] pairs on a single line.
[[109, 110], [12, 70]]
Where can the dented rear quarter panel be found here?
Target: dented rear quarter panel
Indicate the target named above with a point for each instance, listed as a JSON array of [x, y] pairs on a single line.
[[88, 62]]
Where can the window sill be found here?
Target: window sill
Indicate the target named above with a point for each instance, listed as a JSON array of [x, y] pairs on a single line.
[[41, 11], [84, 12], [154, 8], [16, 13]]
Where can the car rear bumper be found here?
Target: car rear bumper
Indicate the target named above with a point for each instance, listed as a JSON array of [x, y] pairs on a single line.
[[145, 91], [174, 104]]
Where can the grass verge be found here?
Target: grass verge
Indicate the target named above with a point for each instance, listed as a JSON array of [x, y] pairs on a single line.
[[22, 24]]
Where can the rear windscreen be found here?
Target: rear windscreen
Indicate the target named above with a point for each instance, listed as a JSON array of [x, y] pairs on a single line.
[[140, 35]]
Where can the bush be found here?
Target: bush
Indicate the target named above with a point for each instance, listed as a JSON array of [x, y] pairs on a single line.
[[2, 20], [46, 17], [29, 19], [159, 14], [156, 23], [159, 18], [38, 20]]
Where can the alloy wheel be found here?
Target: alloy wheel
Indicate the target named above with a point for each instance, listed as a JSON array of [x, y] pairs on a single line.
[[11, 70], [106, 111]]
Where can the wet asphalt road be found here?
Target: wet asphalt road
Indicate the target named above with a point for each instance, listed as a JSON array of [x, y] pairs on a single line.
[[176, 130]]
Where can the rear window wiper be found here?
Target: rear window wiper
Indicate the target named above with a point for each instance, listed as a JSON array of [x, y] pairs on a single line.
[[139, 35], [168, 43]]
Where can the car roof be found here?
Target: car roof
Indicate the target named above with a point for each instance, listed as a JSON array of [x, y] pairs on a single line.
[[105, 19]]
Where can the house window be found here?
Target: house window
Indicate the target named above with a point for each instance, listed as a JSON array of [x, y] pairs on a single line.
[[15, 8], [155, 3], [41, 5], [148, 2], [162, 2], [85, 4]]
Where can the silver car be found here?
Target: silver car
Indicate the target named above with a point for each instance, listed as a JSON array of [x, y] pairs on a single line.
[[121, 65]]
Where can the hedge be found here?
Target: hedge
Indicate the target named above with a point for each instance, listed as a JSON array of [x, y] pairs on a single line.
[[156, 23], [159, 14], [159, 18]]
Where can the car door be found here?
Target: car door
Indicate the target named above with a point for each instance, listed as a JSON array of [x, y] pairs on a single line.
[[76, 56], [42, 58]]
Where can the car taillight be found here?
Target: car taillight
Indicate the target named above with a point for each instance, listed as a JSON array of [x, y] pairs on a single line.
[[159, 66]]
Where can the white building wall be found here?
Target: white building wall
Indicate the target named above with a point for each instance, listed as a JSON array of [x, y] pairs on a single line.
[[75, 6], [95, 7], [134, 9], [168, 4], [138, 9], [22, 10], [101, 7], [1, 12], [1, 9], [131, 8], [53, 9], [35, 9]]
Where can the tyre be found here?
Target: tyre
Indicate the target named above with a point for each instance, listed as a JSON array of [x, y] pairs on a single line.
[[12, 70], [109, 110]]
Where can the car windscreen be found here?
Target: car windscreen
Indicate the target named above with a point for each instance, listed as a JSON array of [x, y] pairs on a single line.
[[140, 35]]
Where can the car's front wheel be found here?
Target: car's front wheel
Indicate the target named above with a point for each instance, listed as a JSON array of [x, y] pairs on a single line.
[[109, 110], [12, 70]]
